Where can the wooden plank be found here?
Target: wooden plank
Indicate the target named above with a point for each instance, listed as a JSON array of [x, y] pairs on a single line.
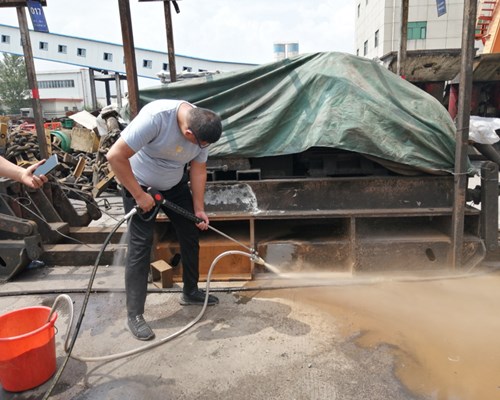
[[236, 266], [96, 234], [79, 254], [18, 3]]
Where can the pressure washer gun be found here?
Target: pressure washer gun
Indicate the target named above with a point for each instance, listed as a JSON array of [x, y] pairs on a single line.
[[162, 201], [146, 216]]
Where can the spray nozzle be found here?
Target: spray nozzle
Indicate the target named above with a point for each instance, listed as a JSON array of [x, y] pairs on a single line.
[[256, 258]]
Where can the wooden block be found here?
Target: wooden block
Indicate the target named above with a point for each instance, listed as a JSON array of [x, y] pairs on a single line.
[[162, 274], [231, 267]]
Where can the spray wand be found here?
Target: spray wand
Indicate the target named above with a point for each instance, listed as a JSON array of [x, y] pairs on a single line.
[[162, 201]]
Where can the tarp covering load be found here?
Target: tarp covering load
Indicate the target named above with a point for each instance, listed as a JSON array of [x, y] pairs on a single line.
[[332, 100]]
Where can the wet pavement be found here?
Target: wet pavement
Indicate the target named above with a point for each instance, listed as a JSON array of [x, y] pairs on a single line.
[[341, 338]]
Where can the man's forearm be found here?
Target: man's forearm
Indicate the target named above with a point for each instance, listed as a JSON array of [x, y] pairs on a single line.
[[198, 178]]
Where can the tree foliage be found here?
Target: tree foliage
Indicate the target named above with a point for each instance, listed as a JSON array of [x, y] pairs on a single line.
[[14, 87]]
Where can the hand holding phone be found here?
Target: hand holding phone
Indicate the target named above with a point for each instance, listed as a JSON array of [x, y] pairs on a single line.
[[48, 166]]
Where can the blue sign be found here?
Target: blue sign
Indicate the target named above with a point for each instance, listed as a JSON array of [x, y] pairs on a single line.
[[37, 16], [441, 7]]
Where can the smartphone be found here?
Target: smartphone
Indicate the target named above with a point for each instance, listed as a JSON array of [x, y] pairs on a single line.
[[47, 166]]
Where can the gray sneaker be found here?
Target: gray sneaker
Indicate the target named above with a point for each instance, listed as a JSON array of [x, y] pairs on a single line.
[[140, 328]]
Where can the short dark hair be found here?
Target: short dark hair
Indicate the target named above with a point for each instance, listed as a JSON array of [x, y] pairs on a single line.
[[205, 123]]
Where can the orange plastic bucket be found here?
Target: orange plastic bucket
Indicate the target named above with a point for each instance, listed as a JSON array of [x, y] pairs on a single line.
[[27, 348]]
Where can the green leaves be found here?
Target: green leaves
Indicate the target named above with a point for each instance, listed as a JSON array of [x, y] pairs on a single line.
[[14, 87]]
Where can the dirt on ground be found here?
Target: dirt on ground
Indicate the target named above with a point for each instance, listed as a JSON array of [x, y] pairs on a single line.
[[304, 338], [445, 333]]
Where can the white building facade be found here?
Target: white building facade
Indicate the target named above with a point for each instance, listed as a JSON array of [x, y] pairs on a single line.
[[378, 26], [63, 91]]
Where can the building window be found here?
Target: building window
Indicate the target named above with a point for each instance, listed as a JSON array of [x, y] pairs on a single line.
[[81, 52], [62, 49], [187, 69], [5, 39], [147, 64], [376, 39], [365, 48], [107, 57], [56, 84], [359, 10], [44, 46], [165, 67], [417, 30]]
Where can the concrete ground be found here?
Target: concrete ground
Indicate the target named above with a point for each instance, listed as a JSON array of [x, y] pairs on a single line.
[[341, 338], [304, 337]]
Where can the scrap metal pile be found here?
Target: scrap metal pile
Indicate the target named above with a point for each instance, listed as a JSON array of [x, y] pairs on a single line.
[[31, 219]]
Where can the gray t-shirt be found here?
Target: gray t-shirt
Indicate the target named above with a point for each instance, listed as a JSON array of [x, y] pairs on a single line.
[[161, 149]]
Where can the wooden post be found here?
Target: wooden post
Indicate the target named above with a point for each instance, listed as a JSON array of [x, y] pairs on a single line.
[[403, 39], [129, 51], [462, 135], [118, 90], [30, 69], [170, 41], [93, 93]]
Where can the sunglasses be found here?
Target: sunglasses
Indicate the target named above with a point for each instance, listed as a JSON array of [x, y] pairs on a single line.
[[202, 146]]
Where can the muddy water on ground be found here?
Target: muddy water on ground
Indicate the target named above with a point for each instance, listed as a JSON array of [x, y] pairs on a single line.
[[445, 333]]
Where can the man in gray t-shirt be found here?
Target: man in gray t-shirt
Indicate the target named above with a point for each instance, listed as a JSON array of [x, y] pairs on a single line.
[[153, 151]]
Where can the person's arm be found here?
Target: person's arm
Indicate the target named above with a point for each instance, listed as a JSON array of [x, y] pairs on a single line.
[[198, 178], [23, 175], [118, 157]]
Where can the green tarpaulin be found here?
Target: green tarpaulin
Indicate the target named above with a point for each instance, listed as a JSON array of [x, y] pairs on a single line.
[[332, 100]]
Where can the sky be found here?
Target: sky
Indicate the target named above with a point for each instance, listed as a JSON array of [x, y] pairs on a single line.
[[223, 30]]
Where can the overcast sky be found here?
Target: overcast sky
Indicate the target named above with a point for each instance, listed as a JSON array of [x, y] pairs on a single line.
[[223, 30]]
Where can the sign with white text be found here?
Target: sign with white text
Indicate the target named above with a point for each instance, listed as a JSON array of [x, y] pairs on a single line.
[[37, 16]]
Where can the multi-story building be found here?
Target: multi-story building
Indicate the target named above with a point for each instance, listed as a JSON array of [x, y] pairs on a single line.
[[434, 47], [431, 26], [93, 61]]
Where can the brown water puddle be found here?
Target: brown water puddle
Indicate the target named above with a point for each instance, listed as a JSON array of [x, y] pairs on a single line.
[[445, 333]]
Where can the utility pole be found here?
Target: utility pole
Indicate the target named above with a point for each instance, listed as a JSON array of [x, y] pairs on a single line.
[[170, 38], [170, 35], [462, 135], [30, 70], [403, 39], [129, 52]]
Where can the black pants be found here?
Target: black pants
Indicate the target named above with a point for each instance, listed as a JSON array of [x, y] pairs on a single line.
[[140, 240]]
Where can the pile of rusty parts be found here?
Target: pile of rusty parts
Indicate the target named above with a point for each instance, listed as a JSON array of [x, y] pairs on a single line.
[[32, 219]]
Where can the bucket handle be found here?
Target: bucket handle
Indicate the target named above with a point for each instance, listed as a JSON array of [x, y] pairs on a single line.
[[70, 308]]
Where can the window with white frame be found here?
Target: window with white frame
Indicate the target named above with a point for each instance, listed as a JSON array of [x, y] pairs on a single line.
[[56, 84]]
